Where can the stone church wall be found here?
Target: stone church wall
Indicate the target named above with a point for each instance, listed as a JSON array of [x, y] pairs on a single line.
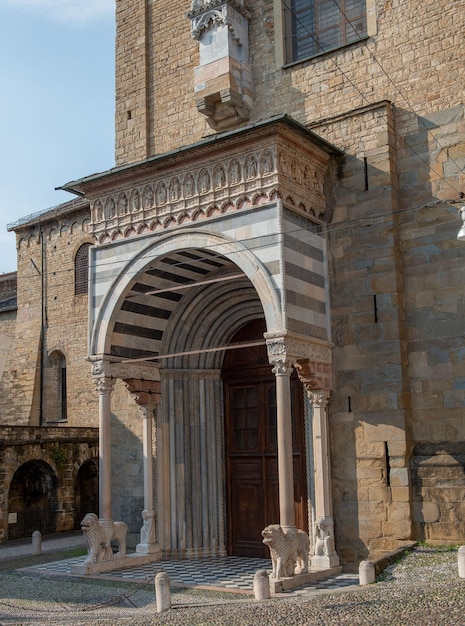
[[7, 329], [393, 104], [396, 268], [46, 250], [155, 80]]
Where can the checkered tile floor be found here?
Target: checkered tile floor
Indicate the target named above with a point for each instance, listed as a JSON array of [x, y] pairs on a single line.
[[330, 584], [228, 573]]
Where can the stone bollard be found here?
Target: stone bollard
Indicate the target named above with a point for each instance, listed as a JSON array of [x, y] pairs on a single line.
[[461, 561], [261, 585], [366, 573], [163, 592], [37, 542]]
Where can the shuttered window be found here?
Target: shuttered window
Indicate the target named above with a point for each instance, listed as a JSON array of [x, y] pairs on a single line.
[[314, 27]]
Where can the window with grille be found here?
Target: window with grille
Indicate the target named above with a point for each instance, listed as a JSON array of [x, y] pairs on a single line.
[[81, 269], [313, 27]]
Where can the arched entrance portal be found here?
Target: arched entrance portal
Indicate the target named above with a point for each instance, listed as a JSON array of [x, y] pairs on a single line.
[[86, 491], [170, 318], [251, 445], [32, 503]]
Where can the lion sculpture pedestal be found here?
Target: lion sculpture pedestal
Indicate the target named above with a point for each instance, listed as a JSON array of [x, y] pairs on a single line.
[[290, 559], [99, 535], [289, 553]]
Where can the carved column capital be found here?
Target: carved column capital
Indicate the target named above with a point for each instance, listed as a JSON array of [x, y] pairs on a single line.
[[100, 367], [277, 356], [276, 347], [101, 376], [319, 397], [282, 367], [104, 385]]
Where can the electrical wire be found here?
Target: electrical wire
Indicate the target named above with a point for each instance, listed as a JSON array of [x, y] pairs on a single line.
[[363, 96], [256, 243], [328, 228], [375, 59]]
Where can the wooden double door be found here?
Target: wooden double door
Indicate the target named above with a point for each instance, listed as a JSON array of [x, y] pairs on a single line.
[[251, 455]]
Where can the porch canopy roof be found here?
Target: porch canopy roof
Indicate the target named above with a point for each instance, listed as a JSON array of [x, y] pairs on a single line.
[[213, 142], [230, 225]]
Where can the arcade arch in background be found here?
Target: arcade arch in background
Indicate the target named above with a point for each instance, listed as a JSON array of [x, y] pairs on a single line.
[[86, 491], [32, 501]]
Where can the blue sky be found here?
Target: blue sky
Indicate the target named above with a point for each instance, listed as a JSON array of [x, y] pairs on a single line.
[[56, 103]]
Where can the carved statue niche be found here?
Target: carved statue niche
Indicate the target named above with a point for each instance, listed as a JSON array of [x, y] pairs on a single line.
[[222, 81]]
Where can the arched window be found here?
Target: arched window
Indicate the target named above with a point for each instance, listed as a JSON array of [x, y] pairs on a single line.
[[81, 269], [55, 385]]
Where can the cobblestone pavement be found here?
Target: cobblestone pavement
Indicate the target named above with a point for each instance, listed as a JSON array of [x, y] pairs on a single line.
[[420, 590]]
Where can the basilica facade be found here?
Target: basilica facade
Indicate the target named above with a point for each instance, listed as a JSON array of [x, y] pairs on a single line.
[[275, 301]]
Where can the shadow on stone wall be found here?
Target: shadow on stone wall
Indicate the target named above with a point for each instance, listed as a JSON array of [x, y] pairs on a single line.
[[127, 472], [86, 491]]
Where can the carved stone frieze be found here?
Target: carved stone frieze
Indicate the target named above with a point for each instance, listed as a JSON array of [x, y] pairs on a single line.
[[300, 351], [106, 368], [240, 179], [298, 173]]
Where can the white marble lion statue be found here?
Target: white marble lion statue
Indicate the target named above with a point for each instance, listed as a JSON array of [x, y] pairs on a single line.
[[99, 537], [287, 551]]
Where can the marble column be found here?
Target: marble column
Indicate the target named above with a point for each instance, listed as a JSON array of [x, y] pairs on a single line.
[[323, 533], [104, 386], [282, 370], [147, 396]]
